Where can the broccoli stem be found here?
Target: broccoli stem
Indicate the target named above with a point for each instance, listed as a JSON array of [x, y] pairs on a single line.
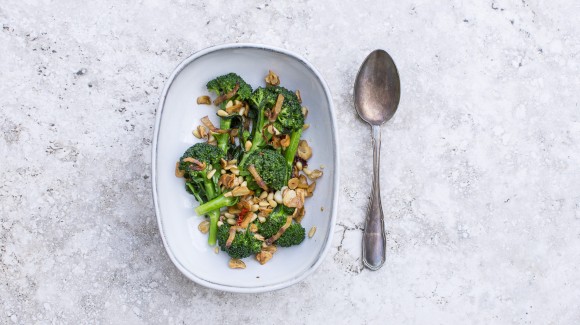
[[216, 204], [223, 139], [258, 138], [214, 216], [292, 148]]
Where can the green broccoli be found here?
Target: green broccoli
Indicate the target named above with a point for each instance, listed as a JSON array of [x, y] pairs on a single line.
[[196, 162], [290, 120], [226, 83], [221, 86], [270, 165], [243, 245], [293, 235]]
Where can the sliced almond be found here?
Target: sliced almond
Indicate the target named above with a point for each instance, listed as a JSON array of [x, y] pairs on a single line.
[[264, 257], [293, 183], [240, 191], [237, 264], [227, 180], [315, 174], [203, 100], [304, 151], [272, 79], [303, 182], [285, 141], [203, 227]]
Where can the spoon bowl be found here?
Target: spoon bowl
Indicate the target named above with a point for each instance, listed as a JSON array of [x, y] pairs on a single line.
[[377, 91]]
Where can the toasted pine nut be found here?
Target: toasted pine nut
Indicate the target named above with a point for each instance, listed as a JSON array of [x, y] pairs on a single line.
[[262, 219], [299, 165], [195, 133], [220, 223], [229, 104], [255, 207], [263, 203], [211, 173], [228, 215], [311, 232], [235, 171], [231, 221], [244, 184], [272, 203], [216, 249], [222, 171], [278, 197], [270, 196], [263, 195], [248, 145], [306, 126], [254, 217], [222, 113]]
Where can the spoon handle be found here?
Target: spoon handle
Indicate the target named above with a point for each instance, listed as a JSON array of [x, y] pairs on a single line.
[[374, 242]]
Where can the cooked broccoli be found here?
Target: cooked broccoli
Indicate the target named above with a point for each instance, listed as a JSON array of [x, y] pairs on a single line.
[[270, 165], [221, 86], [204, 157], [226, 83], [261, 100], [290, 120], [294, 235], [275, 221], [243, 245]]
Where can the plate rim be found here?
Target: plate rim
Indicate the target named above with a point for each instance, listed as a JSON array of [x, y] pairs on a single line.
[[336, 161]]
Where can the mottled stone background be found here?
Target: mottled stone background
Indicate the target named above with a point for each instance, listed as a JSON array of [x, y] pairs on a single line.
[[480, 174]]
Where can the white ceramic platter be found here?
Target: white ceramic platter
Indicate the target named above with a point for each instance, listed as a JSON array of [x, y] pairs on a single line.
[[178, 114]]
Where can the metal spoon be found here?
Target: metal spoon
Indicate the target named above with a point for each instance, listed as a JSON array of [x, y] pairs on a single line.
[[377, 91]]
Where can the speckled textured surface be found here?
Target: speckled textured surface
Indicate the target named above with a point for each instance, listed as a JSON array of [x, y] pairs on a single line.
[[480, 178]]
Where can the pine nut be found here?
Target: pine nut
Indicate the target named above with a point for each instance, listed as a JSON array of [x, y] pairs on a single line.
[[244, 184], [248, 145], [254, 217], [262, 219], [263, 195], [216, 250], [263, 203], [278, 197], [272, 203], [220, 223], [299, 165], [270, 196], [311, 232], [211, 173], [255, 207], [222, 113], [231, 221], [229, 104], [228, 215], [196, 133]]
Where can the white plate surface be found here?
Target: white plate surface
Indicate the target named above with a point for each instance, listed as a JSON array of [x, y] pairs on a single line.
[[177, 116]]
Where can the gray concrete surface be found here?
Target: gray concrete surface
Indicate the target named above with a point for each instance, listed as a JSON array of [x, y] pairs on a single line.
[[480, 179]]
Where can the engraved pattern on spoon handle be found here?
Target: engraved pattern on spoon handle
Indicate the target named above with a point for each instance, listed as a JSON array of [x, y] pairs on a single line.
[[374, 241]]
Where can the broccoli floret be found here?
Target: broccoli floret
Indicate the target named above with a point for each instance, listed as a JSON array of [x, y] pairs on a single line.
[[244, 244], [270, 165], [275, 221], [223, 85], [290, 118], [294, 235], [226, 83], [197, 183]]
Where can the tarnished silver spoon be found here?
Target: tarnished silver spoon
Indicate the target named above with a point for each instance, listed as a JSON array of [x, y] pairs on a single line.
[[377, 91]]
